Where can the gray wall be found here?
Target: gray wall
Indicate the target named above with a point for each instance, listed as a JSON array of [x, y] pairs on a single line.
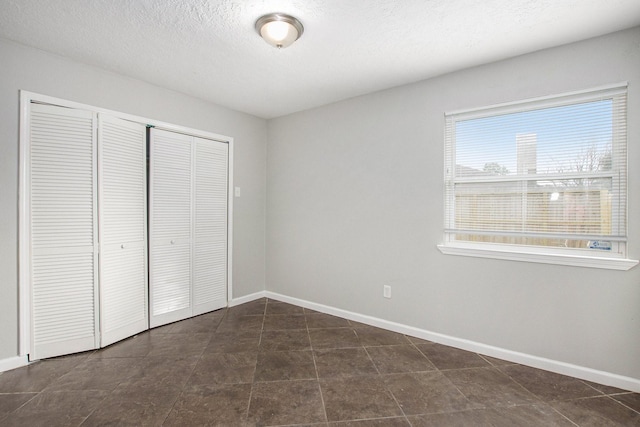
[[355, 201], [36, 71]]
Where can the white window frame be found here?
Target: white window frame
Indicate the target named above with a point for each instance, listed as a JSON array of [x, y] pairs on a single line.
[[615, 259]]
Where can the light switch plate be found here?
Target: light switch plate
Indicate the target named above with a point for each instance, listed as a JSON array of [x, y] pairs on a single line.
[[386, 292]]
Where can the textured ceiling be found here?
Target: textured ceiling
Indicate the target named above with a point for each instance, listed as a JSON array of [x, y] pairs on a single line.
[[209, 48]]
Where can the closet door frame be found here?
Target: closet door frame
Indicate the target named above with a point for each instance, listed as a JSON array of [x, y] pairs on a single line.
[[24, 197]]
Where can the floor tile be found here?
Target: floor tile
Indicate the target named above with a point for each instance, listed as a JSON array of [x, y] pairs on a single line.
[[36, 376], [161, 330], [632, 400], [284, 321], [334, 338], [377, 422], [285, 365], [375, 336], [98, 374], [248, 309], [399, 358], [179, 345], [56, 408], [548, 385], [445, 357], [224, 368], [211, 405], [597, 411], [528, 415], [286, 402], [605, 389], [135, 346], [475, 417], [134, 406], [490, 387], [426, 392], [321, 320], [233, 341], [156, 372], [343, 362], [283, 308], [357, 398], [358, 325], [232, 323], [164, 396], [496, 362], [415, 340], [11, 401], [204, 323], [285, 340]]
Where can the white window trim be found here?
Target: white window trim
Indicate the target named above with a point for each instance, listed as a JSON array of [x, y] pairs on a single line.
[[576, 258], [529, 254]]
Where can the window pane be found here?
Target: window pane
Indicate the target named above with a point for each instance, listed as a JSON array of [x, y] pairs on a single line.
[[568, 138], [569, 206]]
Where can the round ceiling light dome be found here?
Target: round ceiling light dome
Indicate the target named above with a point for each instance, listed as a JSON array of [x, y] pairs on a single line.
[[279, 30]]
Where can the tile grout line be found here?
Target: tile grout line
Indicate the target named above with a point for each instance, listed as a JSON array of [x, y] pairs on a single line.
[[35, 394], [385, 385], [440, 371], [541, 401], [621, 403], [255, 368], [315, 365]]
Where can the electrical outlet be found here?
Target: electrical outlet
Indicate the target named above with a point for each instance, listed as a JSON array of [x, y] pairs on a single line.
[[386, 291]]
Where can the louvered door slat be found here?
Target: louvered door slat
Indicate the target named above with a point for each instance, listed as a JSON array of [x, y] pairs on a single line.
[[210, 226], [62, 230], [123, 268]]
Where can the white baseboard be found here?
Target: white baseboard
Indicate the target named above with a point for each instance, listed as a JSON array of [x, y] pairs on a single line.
[[13, 363], [581, 372], [247, 298]]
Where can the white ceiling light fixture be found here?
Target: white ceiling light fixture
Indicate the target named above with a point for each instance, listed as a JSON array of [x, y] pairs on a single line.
[[279, 30]]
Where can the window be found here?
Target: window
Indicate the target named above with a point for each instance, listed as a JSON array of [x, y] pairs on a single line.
[[541, 180]]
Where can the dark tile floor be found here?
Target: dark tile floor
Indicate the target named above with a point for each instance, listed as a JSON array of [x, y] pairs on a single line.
[[268, 363]]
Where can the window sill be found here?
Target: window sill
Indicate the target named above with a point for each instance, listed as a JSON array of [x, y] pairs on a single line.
[[523, 255]]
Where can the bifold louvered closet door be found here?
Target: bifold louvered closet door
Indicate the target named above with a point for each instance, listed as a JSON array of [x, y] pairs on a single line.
[[64, 231], [123, 228], [87, 222], [188, 226]]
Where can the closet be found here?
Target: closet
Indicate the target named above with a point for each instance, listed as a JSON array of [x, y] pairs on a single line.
[[85, 274]]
